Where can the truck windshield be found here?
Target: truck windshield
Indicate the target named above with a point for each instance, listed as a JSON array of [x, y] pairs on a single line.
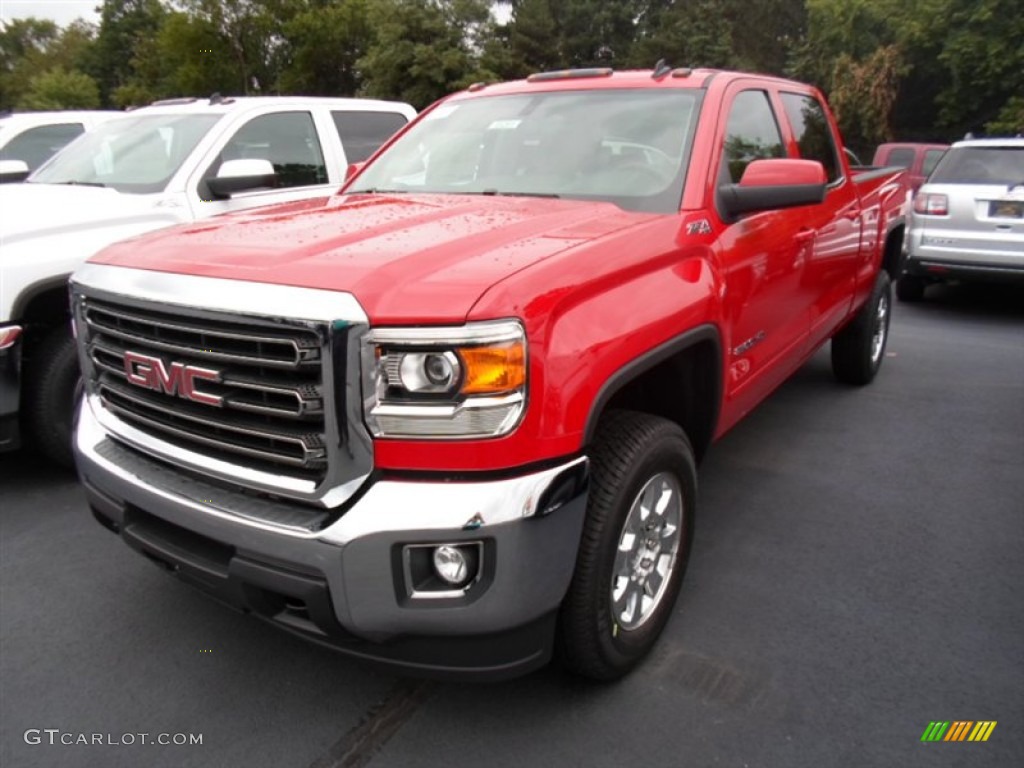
[[130, 154], [628, 147]]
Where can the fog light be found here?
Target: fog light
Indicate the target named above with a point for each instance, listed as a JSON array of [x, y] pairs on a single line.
[[450, 564], [446, 570]]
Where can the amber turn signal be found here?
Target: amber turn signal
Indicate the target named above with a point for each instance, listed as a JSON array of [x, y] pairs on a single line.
[[493, 369]]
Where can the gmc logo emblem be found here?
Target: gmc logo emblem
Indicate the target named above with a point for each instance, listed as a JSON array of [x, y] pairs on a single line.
[[150, 373]]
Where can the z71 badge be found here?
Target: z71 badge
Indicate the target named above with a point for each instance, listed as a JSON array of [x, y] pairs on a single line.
[[700, 227]]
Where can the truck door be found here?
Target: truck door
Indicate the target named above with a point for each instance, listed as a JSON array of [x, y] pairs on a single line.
[[831, 267], [763, 257]]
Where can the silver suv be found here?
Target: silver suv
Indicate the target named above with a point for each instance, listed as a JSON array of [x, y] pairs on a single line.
[[967, 221]]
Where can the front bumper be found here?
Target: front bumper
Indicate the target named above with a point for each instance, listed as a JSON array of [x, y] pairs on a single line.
[[344, 584], [10, 392]]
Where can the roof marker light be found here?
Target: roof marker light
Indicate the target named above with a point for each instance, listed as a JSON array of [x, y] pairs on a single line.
[[569, 74]]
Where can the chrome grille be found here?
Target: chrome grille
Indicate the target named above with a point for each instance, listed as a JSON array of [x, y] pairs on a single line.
[[261, 398]]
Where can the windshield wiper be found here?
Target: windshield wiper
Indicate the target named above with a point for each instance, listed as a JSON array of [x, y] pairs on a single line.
[[378, 191], [494, 192], [82, 184]]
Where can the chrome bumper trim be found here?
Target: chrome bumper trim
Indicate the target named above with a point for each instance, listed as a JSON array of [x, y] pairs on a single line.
[[389, 505]]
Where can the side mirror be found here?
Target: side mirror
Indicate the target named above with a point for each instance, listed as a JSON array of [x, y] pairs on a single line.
[[353, 169], [242, 175], [773, 184], [13, 170]]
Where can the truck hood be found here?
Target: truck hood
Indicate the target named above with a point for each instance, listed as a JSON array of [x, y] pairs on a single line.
[[35, 210], [406, 258]]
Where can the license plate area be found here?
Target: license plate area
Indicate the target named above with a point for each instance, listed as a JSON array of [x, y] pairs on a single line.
[[1006, 209]]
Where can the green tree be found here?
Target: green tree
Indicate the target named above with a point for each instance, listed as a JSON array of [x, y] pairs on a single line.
[[251, 32], [533, 39], [596, 32], [1010, 120], [186, 58], [125, 25], [322, 48], [23, 47], [424, 50], [763, 33], [697, 34], [983, 55], [863, 95], [854, 50], [58, 88]]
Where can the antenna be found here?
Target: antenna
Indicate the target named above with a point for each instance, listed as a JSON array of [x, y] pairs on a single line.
[[661, 69]]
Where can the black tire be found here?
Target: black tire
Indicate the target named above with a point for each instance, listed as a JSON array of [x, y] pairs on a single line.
[[631, 451], [859, 349], [910, 288], [52, 388]]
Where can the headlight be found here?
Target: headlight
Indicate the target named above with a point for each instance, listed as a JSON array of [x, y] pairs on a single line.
[[464, 382]]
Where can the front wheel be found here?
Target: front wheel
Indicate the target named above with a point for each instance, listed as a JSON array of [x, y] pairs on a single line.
[[52, 388], [858, 349], [635, 545]]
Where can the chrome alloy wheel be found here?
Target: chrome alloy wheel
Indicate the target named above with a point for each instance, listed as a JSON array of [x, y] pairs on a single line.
[[647, 551], [880, 328]]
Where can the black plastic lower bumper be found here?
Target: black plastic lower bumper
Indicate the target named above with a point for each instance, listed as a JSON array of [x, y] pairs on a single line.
[[10, 395], [968, 271], [300, 602]]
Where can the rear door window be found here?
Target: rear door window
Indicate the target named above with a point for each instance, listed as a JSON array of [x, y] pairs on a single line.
[[362, 133], [812, 132], [752, 133]]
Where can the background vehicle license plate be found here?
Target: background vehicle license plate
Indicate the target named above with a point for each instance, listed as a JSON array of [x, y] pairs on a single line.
[[1006, 209]]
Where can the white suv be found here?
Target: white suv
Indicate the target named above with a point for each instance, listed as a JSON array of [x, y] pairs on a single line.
[[173, 162], [967, 221], [29, 139]]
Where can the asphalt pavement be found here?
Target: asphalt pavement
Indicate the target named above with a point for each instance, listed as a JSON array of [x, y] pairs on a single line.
[[857, 572]]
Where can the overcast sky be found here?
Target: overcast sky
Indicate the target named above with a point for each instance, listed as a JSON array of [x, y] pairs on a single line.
[[61, 11]]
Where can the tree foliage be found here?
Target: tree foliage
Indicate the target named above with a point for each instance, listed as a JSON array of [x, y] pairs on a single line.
[[58, 88], [125, 25], [25, 46], [424, 50], [322, 48], [911, 69]]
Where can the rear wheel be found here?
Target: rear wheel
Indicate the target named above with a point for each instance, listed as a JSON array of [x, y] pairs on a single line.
[[635, 545], [858, 349], [52, 388], [910, 288]]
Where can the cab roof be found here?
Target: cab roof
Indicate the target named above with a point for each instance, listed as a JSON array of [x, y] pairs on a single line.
[[220, 105], [605, 77]]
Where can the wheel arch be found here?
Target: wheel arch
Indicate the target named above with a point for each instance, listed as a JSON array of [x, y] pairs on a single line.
[[892, 253], [679, 380], [45, 302]]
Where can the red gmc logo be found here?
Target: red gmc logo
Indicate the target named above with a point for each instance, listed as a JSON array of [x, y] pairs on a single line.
[[150, 373]]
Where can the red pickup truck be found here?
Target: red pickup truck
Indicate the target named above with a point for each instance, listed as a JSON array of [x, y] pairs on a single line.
[[919, 160], [449, 418]]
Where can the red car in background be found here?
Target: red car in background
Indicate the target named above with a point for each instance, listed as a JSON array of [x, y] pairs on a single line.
[[918, 159]]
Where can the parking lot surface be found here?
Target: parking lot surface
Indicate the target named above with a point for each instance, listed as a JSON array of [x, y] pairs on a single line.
[[857, 572]]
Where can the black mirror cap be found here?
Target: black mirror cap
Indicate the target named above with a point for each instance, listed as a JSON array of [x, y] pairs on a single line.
[[735, 199]]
